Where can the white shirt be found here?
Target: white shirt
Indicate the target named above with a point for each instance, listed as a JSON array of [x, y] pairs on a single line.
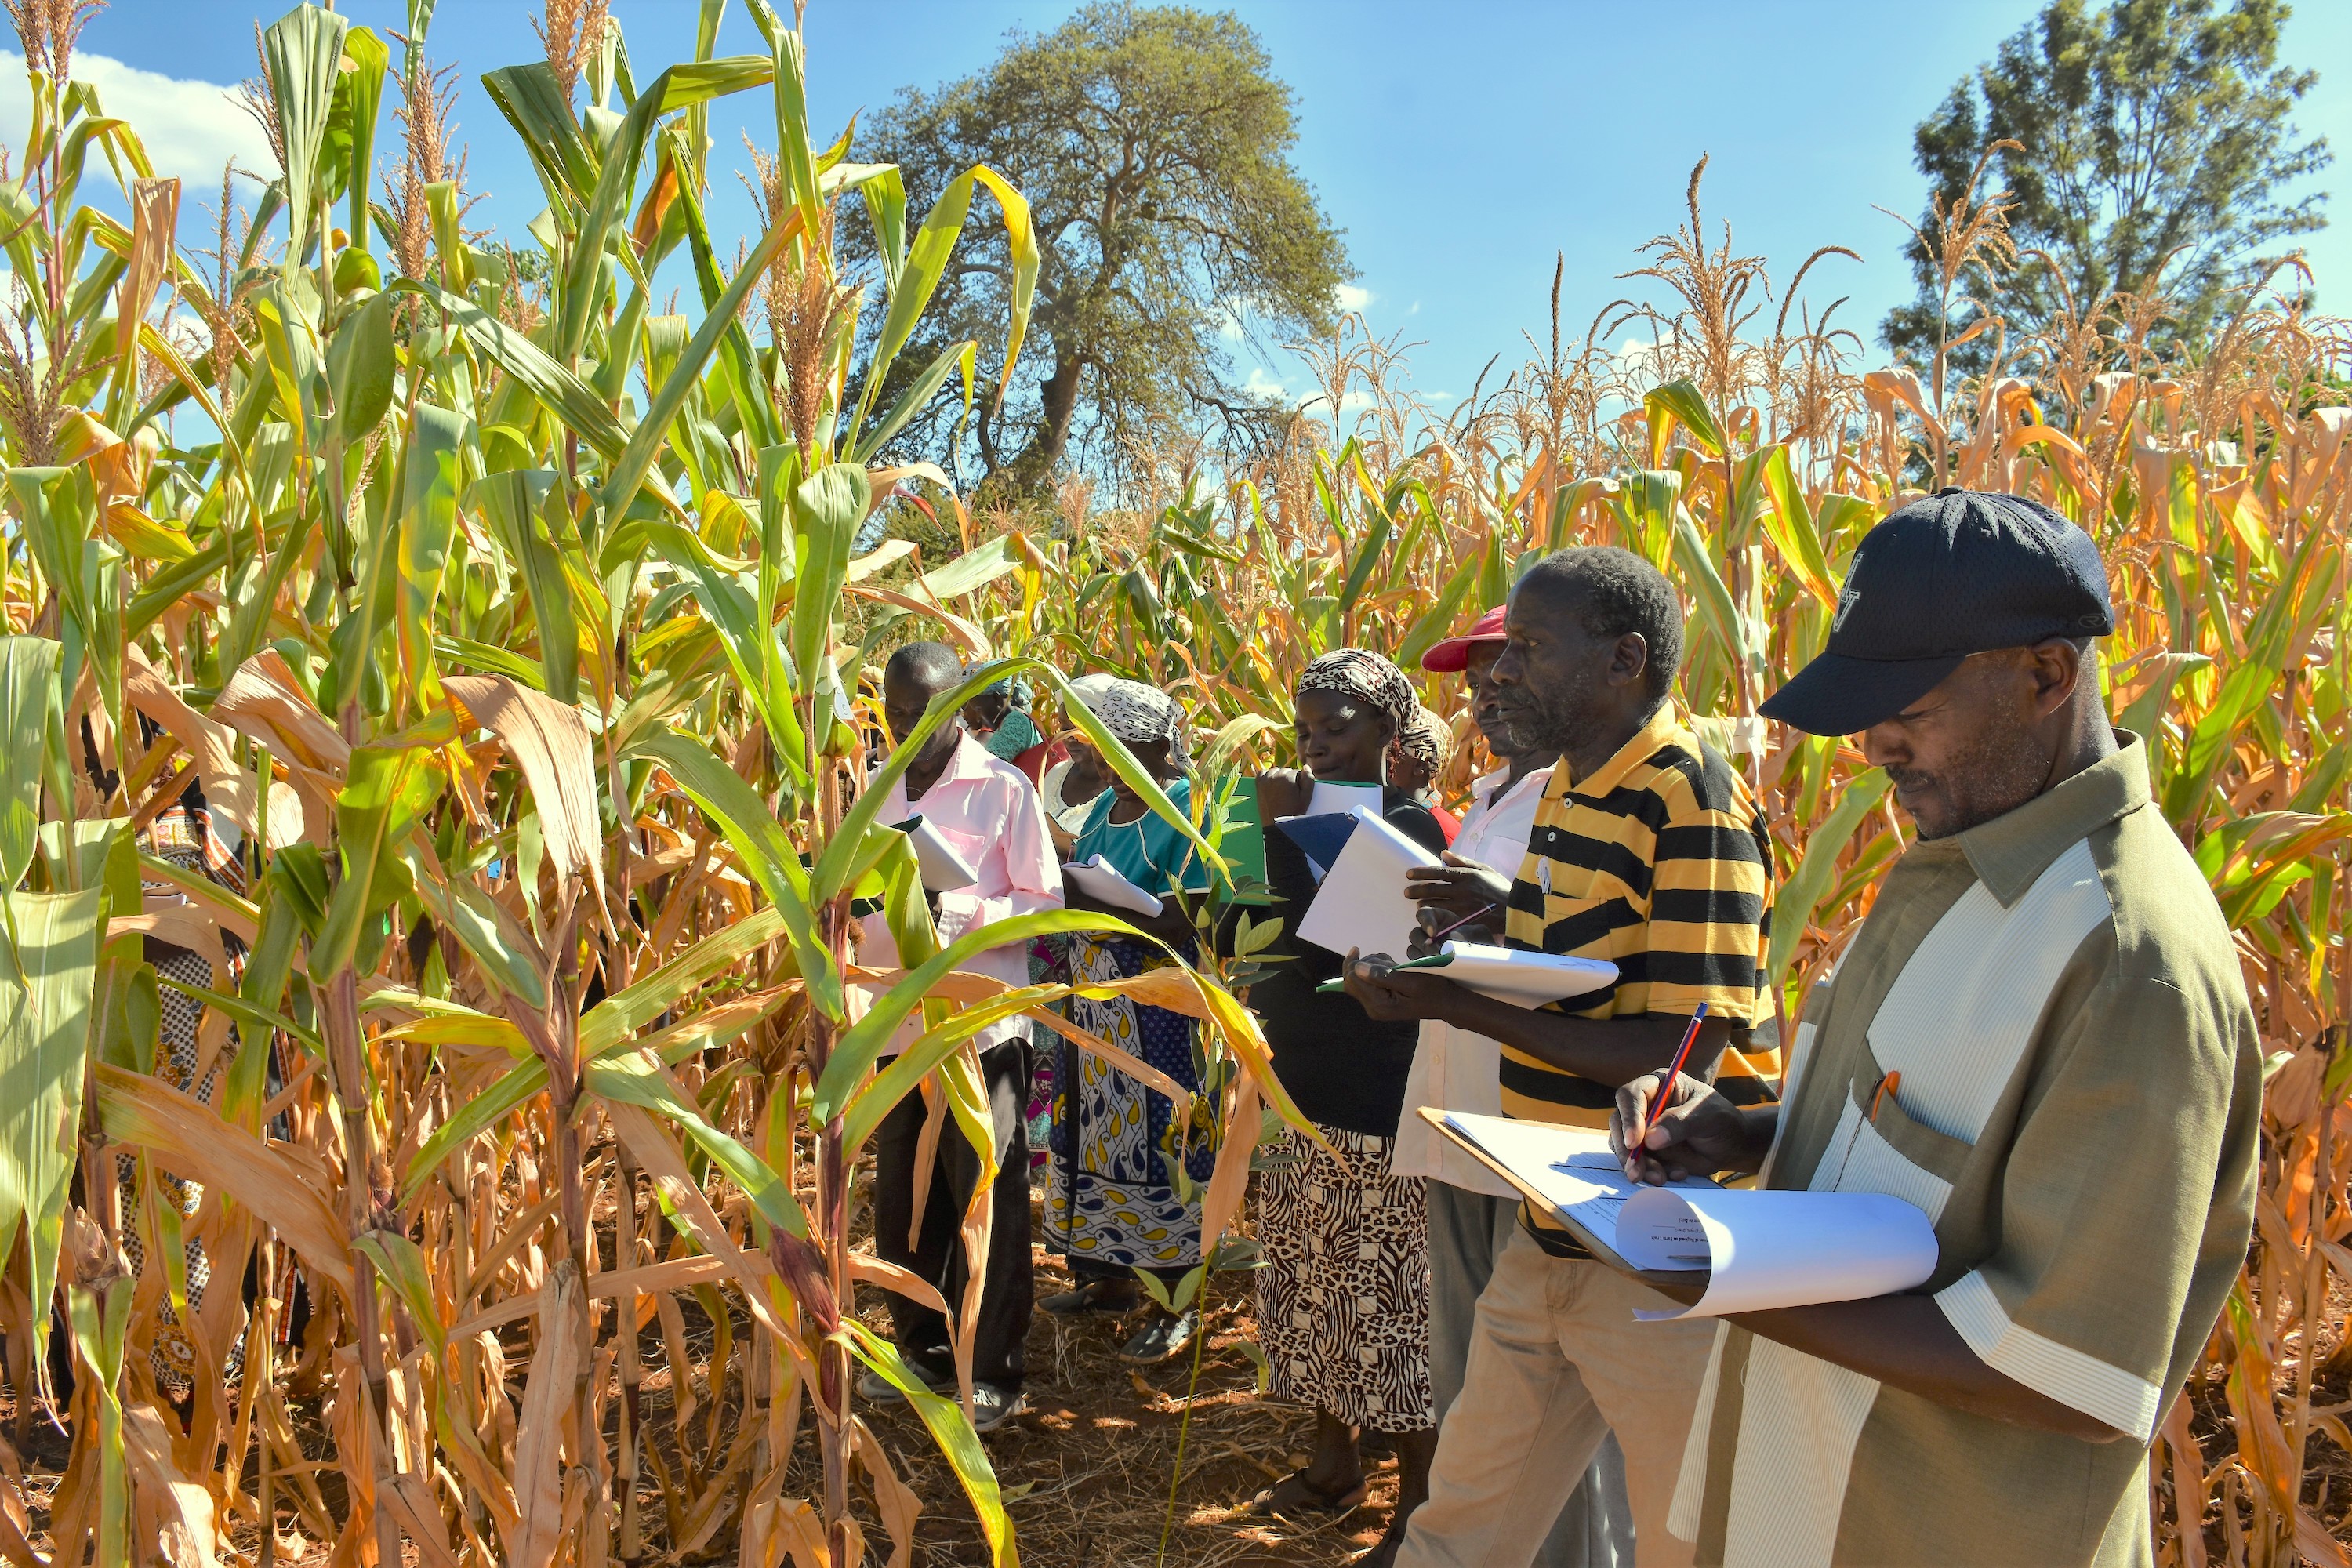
[[1453, 1068], [985, 809]]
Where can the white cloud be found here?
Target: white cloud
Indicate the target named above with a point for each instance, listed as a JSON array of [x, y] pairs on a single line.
[[189, 128], [1261, 382], [1416, 309], [1229, 325], [1349, 298]]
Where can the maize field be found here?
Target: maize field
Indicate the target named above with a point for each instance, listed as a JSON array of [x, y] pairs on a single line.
[[436, 695]]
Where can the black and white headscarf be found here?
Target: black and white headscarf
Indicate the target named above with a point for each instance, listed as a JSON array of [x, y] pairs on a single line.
[[1369, 678], [1136, 713]]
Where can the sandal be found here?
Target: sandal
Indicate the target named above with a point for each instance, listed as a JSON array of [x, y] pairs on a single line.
[[1296, 1494], [1160, 1339]]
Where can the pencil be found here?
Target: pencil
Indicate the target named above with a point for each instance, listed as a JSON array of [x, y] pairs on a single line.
[[1682, 1055]]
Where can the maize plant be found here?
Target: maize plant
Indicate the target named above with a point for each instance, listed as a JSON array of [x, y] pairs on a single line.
[[437, 792]]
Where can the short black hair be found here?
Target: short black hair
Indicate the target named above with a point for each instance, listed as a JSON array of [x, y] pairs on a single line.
[[1613, 591], [933, 665]]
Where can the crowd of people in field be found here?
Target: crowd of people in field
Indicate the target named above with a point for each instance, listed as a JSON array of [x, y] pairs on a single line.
[[2038, 1038]]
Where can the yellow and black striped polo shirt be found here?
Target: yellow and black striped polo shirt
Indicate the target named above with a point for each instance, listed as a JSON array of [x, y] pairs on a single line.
[[1659, 862]]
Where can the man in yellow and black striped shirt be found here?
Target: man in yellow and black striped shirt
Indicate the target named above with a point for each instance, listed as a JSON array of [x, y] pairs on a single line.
[[1657, 861], [1648, 850]]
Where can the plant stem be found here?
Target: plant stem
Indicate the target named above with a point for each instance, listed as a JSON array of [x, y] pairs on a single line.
[[1184, 1423]]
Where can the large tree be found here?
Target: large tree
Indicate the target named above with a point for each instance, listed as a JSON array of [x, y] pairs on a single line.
[[1154, 147], [2150, 142]]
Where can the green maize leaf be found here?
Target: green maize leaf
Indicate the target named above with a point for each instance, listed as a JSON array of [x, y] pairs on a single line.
[[792, 149], [359, 95], [400, 1264], [927, 263], [862, 1043], [748, 642], [951, 1428], [169, 585], [428, 517], [1800, 898], [304, 49], [974, 569], [361, 364], [2211, 739], [498, 942], [1680, 402], [1790, 523], [758, 840], [389, 789], [49, 975], [28, 691], [1429, 626], [514, 501], [562, 392], [635, 1077], [268, 968], [828, 508], [622, 1015], [2146, 711], [1715, 606], [635, 459], [918, 396], [534, 105], [884, 194]]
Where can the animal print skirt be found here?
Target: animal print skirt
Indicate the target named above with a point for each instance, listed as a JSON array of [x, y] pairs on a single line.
[[1343, 1300]]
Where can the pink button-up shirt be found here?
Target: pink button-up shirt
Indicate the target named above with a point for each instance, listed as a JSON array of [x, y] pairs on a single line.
[[989, 812]]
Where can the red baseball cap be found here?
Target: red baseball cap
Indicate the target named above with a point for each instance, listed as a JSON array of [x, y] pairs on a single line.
[[1454, 653]]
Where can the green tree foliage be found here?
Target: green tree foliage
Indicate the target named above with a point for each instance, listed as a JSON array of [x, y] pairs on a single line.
[[1154, 146], [2149, 141]]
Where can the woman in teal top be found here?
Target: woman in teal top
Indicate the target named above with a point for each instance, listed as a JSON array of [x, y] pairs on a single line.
[[1114, 1204]]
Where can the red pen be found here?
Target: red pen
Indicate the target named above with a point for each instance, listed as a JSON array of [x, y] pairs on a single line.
[[1682, 1055], [1481, 910]]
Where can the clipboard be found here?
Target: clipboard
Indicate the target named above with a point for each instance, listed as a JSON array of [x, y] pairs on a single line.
[[1656, 1279]]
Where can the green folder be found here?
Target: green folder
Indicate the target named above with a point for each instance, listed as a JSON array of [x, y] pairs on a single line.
[[1244, 839]]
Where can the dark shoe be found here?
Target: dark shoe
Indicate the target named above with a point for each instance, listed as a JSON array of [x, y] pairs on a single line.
[[1374, 1444], [1094, 1296], [936, 1372], [1295, 1494], [993, 1407], [1161, 1338]]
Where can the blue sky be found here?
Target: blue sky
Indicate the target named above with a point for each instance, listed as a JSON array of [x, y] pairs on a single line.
[[1458, 146]]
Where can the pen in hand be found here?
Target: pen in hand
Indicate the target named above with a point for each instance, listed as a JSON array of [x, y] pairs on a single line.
[[1682, 1055]]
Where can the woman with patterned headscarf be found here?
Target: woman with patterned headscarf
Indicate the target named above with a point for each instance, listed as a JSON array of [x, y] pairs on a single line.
[[1114, 1206], [1343, 1299]]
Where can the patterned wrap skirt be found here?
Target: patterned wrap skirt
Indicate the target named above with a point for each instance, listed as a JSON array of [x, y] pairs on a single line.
[[1343, 1300], [1111, 1195]]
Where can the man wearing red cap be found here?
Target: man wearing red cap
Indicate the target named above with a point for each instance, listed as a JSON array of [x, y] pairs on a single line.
[[1472, 1211]]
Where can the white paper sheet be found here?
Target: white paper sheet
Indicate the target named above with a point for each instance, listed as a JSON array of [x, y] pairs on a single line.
[[1773, 1249], [1522, 979], [1101, 881], [1362, 903], [944, 870], [1330, 799], [1572, 1170]]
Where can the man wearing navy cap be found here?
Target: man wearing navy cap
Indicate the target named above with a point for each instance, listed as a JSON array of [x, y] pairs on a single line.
[[2041, 1037]]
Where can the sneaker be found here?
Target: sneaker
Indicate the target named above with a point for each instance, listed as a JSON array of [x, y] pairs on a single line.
[[993, 1407], [936, 1374], [1162, 1338]]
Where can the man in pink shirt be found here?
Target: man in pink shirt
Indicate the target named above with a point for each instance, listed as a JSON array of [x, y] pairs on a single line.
[[991, 816]]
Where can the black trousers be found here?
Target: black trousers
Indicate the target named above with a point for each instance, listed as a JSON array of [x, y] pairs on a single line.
[[1000, 1342]]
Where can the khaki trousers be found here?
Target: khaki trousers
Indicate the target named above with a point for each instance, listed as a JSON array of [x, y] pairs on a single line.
[[1556, 1362]]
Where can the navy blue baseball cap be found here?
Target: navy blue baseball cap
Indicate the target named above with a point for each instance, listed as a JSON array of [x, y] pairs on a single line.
[[1962, 571]]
